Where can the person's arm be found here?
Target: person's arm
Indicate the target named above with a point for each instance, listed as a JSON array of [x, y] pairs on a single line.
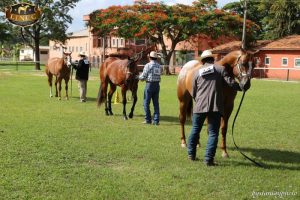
[[194, 86], [145, 72], [230, 81]]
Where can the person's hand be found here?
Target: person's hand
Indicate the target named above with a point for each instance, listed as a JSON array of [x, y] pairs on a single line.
[[137, 77], [245, 86]]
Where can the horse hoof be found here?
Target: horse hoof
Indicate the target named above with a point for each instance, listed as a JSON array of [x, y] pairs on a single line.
[[125, 118], [198, 145], [51, 96], [59, 99], [225, 155], [110, 113], [130, 115], [183, 145]]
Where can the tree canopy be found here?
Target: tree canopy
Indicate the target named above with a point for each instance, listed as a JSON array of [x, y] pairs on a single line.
[[276, 19], [158, 21], [52, 25]]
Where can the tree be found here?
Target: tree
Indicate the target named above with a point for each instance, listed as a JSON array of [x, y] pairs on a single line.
[[275, 18], [52, 24], [254, 13], [283, 18], [158, 22]]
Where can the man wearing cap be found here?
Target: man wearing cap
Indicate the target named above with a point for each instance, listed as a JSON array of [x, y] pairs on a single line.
[[82, 75], [208, 95], [151, 74]]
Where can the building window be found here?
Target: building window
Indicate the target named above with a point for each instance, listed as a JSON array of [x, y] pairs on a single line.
[[113, 42], [81, 48], [121, 42], [297, 62], [267, 61], [284, 62], [70, 49], [76, 49], [22, 51]]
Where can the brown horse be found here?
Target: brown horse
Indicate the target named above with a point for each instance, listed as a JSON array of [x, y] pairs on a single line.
[[116, 71], [238, 64], [60, 68]]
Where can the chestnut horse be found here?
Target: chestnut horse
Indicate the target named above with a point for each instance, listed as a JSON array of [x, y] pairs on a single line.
[[116, 71], [60, 68], [238, 64]]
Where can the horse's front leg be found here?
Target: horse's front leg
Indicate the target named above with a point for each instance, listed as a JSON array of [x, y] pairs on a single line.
[[56, 86], [66, 87], [124, 101], [59, 88], [134, 95], [50, 76], [110, 95]]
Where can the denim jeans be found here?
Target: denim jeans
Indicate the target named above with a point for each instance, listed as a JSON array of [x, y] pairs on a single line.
[[151, 92], [214, 120]]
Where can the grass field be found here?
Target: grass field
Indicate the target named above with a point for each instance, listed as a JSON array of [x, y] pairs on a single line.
[[54, 149]]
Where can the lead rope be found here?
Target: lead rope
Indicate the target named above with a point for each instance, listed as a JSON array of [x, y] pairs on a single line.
[[235, 117]]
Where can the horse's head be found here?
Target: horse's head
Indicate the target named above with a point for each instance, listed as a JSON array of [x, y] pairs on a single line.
[[241, 63], [131, 70], [68, 58]]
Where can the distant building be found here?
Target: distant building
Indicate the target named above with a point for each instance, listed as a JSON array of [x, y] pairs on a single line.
[[27, 54], [279, 59]]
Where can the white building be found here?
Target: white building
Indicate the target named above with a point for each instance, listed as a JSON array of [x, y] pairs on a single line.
[[27, 54]]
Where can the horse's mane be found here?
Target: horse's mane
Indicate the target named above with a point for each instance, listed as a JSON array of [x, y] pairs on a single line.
[[118, 55]]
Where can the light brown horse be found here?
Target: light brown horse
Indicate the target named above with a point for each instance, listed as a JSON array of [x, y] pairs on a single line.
[[238, 64], [60, 68], [116, 71]]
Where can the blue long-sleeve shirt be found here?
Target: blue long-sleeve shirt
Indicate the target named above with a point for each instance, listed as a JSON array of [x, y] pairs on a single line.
[[151, 72]]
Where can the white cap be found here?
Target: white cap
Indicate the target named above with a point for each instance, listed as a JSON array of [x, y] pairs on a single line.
[[153, 54], [82, 53], [206, 54]]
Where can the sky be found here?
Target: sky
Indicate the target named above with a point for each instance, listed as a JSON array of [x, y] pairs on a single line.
[[85, 7]]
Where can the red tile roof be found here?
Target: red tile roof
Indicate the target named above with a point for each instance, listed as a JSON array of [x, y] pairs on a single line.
[[291, 42], [236, 45]]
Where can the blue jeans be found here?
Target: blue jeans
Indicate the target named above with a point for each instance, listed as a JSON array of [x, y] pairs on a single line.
[[214, 120], [151, 92]]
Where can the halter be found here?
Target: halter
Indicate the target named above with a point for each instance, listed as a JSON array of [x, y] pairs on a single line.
[[68, 60], [239, 65]]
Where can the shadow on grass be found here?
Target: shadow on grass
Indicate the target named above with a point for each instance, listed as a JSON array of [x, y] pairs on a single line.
[[283, 158]]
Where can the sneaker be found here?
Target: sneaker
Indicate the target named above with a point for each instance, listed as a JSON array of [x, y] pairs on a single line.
[[145, 122], [155, 123]]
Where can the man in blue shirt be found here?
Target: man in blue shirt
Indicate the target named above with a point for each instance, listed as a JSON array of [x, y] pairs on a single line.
[[151, 74]]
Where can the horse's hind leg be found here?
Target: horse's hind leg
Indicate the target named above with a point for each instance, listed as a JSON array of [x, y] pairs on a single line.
[[182, 120], [110, 94]]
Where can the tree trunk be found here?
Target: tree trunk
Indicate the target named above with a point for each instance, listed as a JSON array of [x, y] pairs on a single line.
[[37, 54]]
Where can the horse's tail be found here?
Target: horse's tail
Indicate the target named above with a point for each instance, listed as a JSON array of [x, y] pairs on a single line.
[[100, 99], [189, 108]]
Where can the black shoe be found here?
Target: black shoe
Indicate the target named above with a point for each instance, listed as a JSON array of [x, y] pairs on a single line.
[[191, 157], [210, 163]]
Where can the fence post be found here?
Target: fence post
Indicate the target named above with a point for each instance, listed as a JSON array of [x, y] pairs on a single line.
[[288, 74], [17, 66]]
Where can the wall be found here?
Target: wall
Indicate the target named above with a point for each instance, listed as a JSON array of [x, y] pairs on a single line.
[[276, 62]]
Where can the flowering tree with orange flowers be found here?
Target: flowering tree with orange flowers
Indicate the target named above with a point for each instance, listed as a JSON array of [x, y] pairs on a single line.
[[158, 22]]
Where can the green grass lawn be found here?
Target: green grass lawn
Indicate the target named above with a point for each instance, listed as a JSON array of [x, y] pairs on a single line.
[[54, 149]]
